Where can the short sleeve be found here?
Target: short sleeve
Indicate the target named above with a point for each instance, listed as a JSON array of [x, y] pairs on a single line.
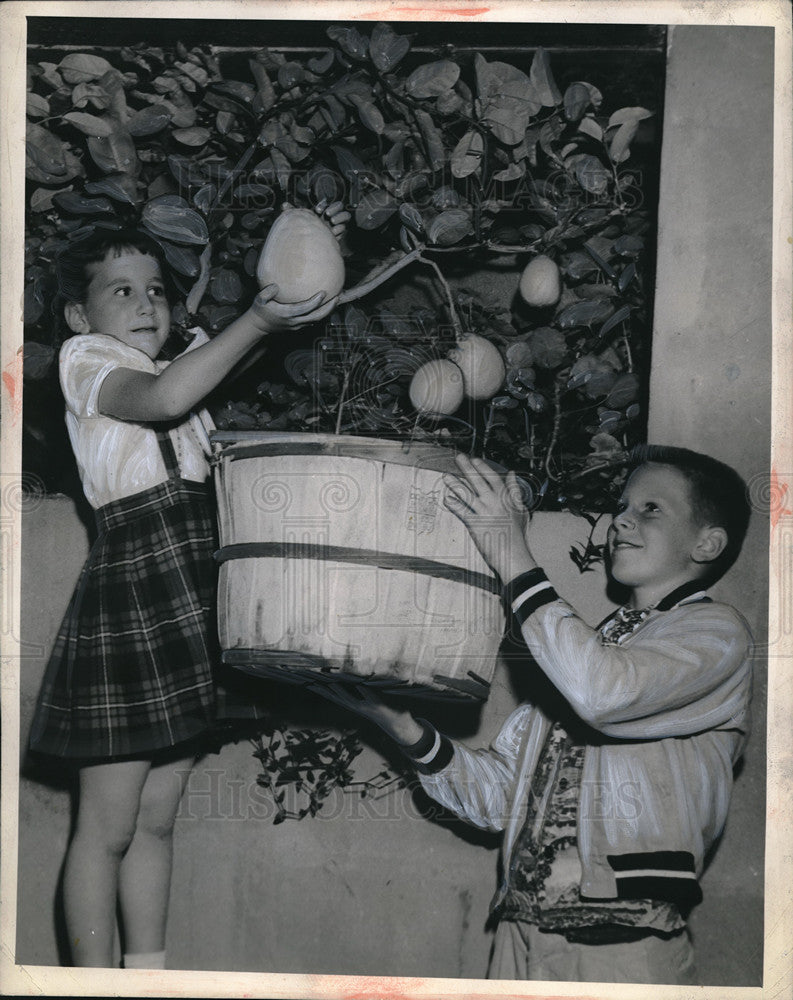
[[86, 361]]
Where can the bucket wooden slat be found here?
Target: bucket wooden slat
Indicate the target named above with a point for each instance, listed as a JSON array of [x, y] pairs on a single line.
[[338, 560]]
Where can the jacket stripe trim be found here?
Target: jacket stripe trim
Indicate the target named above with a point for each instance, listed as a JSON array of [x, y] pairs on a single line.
[[662, 875], [432, 752], [683, 891], [527, 608], [679, 861], [654, 873]]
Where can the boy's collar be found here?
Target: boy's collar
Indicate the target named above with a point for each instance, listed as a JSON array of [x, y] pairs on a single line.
[[693, 589]]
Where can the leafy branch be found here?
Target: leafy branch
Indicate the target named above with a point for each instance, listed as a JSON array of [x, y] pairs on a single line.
[[449, 160]]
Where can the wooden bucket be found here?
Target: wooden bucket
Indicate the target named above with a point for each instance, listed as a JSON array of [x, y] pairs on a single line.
[[339, 561]]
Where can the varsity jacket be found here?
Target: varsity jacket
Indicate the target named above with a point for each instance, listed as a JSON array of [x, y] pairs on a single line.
[[670, 705]]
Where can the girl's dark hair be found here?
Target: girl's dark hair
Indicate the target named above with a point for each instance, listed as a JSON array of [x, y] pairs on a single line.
[[72, 264], [719, 496]]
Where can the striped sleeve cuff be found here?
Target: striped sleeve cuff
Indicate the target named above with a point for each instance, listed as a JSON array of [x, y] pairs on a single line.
[[526, 593], [431, 752]]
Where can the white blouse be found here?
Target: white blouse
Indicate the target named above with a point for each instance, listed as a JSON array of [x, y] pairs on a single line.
[[117, 458]]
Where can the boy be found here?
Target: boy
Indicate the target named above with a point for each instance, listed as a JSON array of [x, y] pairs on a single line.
[[610, 800]]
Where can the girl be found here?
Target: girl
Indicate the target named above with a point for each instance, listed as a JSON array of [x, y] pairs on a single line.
[[129, 690]]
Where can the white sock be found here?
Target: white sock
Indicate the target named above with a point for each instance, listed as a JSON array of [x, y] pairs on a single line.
[[145, 960]]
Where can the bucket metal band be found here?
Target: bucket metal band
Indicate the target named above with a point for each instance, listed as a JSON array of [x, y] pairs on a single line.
[[364, 557]]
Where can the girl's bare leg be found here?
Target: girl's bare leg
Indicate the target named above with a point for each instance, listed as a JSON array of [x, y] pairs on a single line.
[[145, 873], [106, 817]]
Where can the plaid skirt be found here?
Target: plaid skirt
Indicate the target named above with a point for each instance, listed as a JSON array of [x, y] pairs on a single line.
[[131, 671]]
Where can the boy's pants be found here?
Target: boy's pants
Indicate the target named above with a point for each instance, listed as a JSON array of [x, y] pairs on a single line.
[[521, 951]]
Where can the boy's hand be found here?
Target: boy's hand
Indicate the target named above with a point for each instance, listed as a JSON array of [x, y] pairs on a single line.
[[492, 509], [271, 316], [399, 724]]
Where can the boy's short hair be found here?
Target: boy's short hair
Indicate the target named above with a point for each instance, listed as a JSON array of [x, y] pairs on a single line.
[[73, 261], [719, 496]]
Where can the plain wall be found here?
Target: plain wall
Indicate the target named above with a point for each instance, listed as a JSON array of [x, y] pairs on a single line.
[[710, 386], [379, 887]]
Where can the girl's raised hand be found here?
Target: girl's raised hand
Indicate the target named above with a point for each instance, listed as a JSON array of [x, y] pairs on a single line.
[[492, 509], [335, 215], [272, 316]]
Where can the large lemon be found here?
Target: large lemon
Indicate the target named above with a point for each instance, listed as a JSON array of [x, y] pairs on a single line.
[[437, 387], [540, 284], [482, 366]]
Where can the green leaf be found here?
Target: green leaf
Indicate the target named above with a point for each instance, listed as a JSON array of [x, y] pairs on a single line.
[[192, 136], [577, 99], [230, 95], [37, 106], [449, 103], [370, 116], [149, 120], [619, 316], [411, 217], [195, 73], [290, 74], [432, 138], [85, 92], [350, 41], [265, 97], [90, 124], [283, 168], [628, 245], [624, 391], [386, 47], [115, 152], [626, 277], [334, 111], [626, 116], [449, 227], [577, 265], [626, 121], [542, 79], [548, 347], [305, 136], [375, 208], [349, 87], [76, 204], [432, 79], [79, 67], [467, 154], [225, 286], [170, 217], [584, 313], [590, 127], [196, 293], [512, 172], [321, 64], [507, 99], [41, 200], [593, 375], [181, 259], [590, 173], [550, 132], [37, 358], [619, 147], [50, 74], [253, 196], [48, 160], [350, 165], [394, 160]]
